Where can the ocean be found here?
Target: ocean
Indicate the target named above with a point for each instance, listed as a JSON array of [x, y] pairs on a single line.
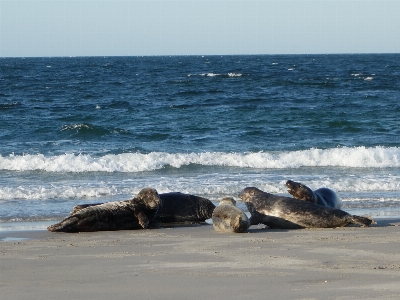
[[96, 129]]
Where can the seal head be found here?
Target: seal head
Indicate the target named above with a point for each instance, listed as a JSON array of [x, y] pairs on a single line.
[[228, 218]]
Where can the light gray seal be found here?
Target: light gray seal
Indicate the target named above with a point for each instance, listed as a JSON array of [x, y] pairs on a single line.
[[289, 213], [136, 213], [228, 218], [176, 208], [322, 196]]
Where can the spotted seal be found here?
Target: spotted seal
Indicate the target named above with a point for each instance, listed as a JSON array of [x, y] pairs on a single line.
[[176, 207], [322, 196], [289, 213], [136, 213], [228, 218]]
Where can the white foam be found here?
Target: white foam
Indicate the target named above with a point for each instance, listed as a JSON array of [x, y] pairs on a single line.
[[75, 126], [234, 74], [358, 157], [58, 192], [214, 185], [211, 74]]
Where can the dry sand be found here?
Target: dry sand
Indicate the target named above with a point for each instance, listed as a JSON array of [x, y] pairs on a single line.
[[196, 262]]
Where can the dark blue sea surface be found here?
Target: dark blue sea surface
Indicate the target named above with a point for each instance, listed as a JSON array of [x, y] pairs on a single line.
[[82, 129]]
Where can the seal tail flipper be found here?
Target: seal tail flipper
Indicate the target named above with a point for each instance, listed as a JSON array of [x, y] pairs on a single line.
[[67, 225], [364, 221]]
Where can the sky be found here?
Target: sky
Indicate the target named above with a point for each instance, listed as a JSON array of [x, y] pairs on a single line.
[[197, 27]]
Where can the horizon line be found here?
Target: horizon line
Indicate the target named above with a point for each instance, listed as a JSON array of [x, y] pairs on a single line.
[[202, 55]]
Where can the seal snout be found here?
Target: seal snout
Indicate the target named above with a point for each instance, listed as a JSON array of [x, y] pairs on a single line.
[[293, 185], [290, 184], [294, 188]]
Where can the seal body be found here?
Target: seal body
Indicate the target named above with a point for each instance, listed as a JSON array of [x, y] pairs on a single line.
[[136, 213], [176, 207], [289, 213], [180, 207], [322, 196], [228, 218]]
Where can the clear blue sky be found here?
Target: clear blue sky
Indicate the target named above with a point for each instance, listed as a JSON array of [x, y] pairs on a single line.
[[187, 27]]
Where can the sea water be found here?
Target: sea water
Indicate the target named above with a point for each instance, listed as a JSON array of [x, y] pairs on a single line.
[[96, 129]]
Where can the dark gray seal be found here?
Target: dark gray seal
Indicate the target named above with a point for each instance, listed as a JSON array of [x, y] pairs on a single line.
[[136, 213], [176, 208], [180, 207], [228, 218], [322, 196], [289, 213]]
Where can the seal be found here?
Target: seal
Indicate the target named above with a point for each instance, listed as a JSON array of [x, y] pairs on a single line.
[[136, 213], [322, 196], [228, 218], [289, 213], [180, 207], [175, 208]]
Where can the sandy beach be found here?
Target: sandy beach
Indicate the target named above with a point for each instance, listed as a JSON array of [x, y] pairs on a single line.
[[196, 262]]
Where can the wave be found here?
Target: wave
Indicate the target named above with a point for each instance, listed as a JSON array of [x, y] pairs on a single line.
[[357, 157], [376, 190], [89, 129], [215, 74], [60, 192], [9, 105]]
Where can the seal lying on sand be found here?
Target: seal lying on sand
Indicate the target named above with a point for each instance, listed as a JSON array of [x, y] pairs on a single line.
[[322, 196], [288, 213], [176, 207], [136, 213], [228, 218], [179, 207]]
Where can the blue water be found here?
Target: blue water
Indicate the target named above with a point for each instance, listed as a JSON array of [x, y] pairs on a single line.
[[89, 129]]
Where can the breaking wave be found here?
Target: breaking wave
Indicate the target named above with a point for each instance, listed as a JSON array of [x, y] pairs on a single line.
[[358, 157]]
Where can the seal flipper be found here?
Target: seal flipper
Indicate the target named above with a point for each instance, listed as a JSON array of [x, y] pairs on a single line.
[[364, 221], [142, 219], [240, 225]]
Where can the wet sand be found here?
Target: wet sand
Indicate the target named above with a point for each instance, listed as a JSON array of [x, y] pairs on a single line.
[[196, 262]]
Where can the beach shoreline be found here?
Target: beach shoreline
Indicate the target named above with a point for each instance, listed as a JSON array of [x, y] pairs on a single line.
[[196, 262]]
